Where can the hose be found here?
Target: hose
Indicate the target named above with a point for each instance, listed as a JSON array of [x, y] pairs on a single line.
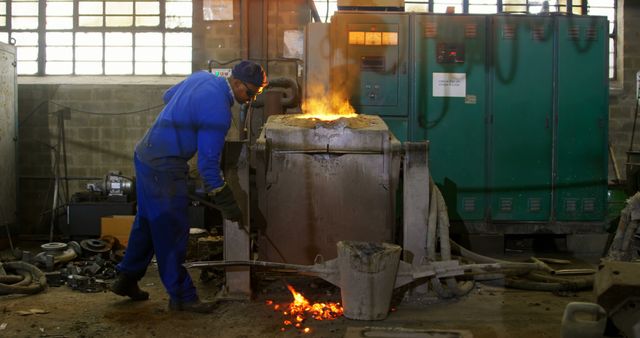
[[516, 275], [454, 288], [526, 284], [34, 280]]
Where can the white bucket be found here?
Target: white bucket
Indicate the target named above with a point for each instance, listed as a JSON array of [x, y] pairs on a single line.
[[591, 327], [367, 276]]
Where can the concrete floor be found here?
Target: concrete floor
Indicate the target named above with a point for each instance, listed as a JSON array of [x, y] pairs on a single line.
[[489, 310]]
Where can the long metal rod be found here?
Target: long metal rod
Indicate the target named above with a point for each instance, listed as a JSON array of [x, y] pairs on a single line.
[[275, 265], [9, 237], [633, 130], [64, 152], [55, 202], [314, 11]]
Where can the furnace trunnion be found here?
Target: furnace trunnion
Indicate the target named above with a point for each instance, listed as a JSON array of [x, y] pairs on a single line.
[[320, 182]]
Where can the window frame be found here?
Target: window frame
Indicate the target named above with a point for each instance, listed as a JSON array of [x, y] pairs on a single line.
[[42, 31]]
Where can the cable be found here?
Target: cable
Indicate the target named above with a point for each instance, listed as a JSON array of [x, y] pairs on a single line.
[[326, 14], [33, 280], [107, 114], [31, 113]]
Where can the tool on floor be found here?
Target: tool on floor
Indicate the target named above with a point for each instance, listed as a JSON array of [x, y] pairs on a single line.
[[368, 272]]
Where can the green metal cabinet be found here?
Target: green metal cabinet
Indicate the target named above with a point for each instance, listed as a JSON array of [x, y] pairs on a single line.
[[521, 118], [582, 119], [370, 62], [450, 51], [515, 106]]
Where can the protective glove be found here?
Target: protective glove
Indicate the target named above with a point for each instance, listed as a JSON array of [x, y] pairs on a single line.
[[227, 204]]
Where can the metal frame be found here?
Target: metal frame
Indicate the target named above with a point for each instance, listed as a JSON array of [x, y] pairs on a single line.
[[42, 30]]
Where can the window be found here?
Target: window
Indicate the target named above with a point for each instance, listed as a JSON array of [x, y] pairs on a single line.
[[609, 9], [606, 8], [99, 37]]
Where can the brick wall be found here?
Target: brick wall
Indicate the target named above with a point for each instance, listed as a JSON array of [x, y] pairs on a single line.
[[99, 137], [622, 102], [100, 132]]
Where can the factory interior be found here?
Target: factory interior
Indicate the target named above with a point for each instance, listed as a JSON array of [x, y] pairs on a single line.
[[412, 169]]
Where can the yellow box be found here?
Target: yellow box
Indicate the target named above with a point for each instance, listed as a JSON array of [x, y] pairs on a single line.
[[118, 226]]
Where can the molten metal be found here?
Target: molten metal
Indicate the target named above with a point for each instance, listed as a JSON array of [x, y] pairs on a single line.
[[328, 107]]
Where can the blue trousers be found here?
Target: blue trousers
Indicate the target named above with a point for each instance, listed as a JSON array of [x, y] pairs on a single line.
[[161, 226]]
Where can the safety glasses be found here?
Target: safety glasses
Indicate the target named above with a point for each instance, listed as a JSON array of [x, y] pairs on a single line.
[[250, 93]]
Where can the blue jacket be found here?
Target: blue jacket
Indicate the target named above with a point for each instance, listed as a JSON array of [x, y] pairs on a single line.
[[196, 117]]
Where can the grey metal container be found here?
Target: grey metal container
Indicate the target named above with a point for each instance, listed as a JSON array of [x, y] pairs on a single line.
[[322, 182]]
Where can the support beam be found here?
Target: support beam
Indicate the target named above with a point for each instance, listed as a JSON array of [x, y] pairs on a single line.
[[236, 236]]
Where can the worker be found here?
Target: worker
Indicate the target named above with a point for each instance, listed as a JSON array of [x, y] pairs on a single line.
[[196, 117]]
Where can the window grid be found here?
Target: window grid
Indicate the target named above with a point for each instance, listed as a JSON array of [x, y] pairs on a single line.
[[98, 37]]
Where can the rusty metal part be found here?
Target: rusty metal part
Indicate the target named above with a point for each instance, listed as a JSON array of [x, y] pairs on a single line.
[[86, 284], [54, 247], [112, 241], [95, 246], [76, 247], [617, 290], [574, 272], [554, 260], [118, 255]]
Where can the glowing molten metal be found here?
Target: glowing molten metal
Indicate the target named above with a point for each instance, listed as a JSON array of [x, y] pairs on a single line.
[[298, 311], [327, 107]]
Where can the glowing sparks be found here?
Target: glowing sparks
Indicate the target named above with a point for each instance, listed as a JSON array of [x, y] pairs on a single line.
[[318, 311], [297, 312], [327, 106]]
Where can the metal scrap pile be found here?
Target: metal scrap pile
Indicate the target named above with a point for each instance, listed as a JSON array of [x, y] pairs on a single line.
[[83, 266]]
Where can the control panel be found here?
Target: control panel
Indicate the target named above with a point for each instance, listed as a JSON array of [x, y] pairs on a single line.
[[222, 72], [450, 52]]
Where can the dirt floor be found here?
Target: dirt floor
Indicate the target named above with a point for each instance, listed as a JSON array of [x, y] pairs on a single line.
[[487, 311]]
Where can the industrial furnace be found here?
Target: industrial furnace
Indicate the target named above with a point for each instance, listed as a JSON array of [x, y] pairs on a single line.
[[324, 181]]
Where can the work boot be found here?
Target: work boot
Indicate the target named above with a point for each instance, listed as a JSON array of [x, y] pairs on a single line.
[[193, 306], [127, 286]]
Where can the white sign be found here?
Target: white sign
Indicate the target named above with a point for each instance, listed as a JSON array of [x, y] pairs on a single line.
[[449, 84], [293, 44], [217, 10]]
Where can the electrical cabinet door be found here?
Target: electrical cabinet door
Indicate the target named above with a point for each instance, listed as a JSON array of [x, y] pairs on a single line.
[[450, 99], [369, 64], [521, 128], [582, 118]]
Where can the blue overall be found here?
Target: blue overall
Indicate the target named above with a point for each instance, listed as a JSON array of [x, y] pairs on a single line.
[[196, 118]]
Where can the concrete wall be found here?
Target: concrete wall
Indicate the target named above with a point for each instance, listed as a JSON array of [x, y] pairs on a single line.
[[109, 115], [622, 102]]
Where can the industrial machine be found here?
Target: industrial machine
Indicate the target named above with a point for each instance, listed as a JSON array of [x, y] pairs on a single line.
[[113, 195], [322, 182], [515, 108], [115, 187]]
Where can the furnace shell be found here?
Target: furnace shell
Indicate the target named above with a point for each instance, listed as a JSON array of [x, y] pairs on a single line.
[[322, 182]]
